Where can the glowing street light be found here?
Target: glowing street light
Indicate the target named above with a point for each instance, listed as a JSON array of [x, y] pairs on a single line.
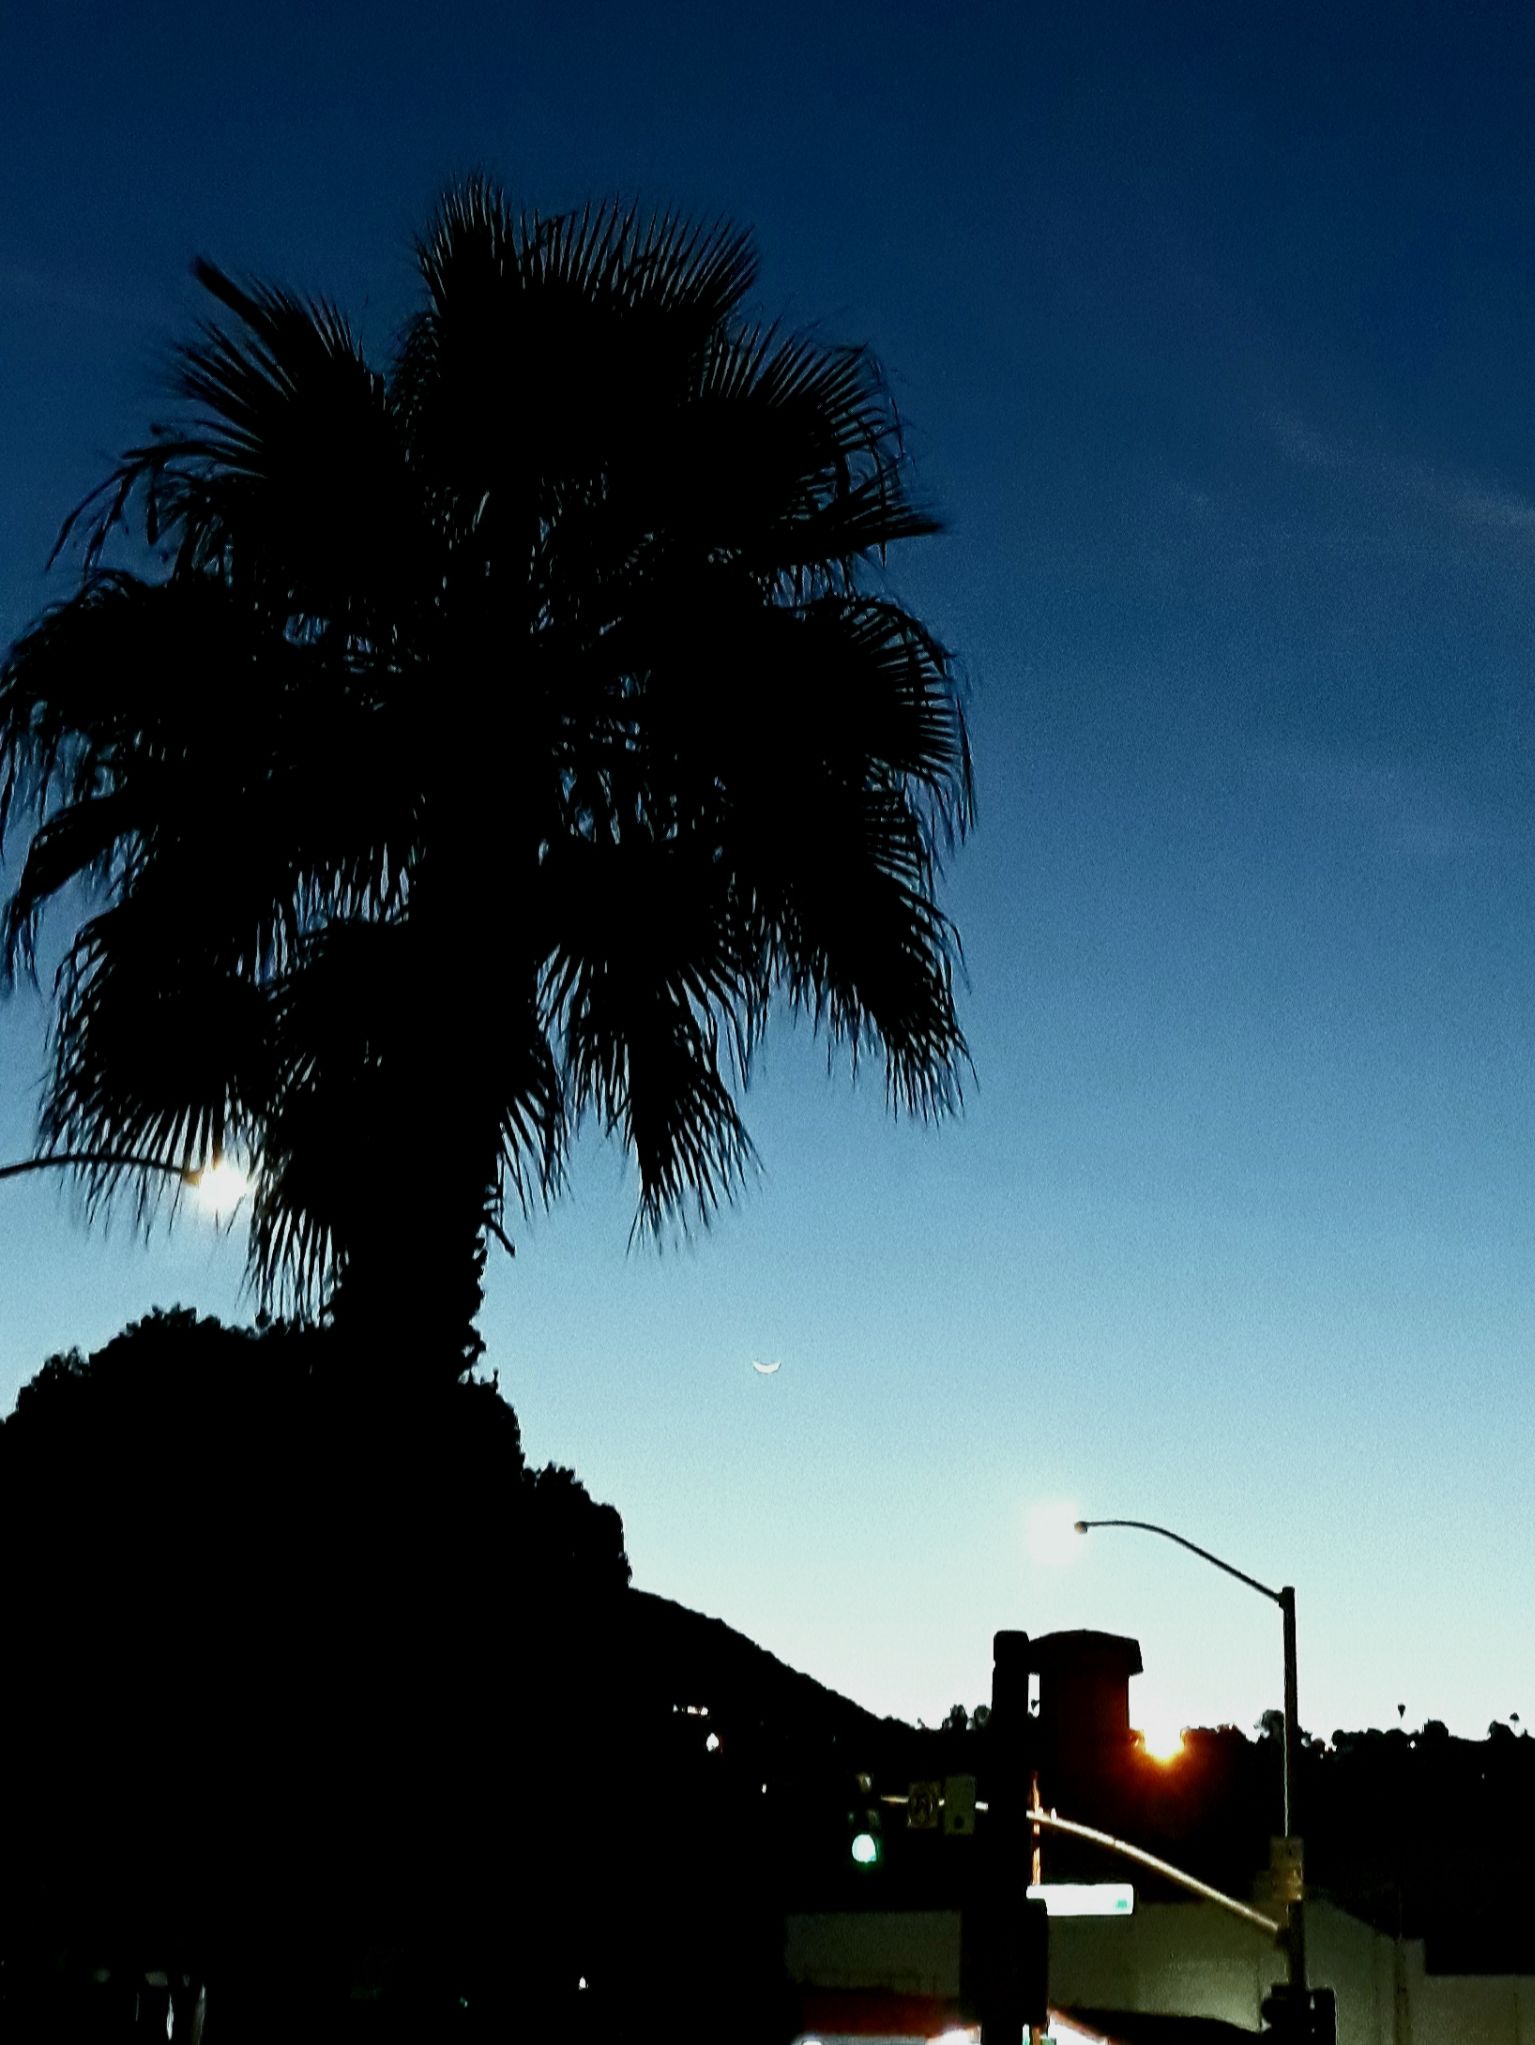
[[86, 1160], [219, 1185], [1051, 1533]]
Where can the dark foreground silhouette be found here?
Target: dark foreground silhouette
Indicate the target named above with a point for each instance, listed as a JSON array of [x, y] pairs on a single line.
[[325, 1717], [319, 1725]]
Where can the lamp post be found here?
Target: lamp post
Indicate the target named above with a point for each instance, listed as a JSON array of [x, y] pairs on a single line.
[[221, 1182], [79, 1160], [1295, 1934]]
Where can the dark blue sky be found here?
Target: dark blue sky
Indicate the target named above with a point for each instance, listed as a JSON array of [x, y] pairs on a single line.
[[1214, 330]]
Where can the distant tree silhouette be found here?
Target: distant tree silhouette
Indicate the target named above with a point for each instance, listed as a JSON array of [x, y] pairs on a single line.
[[958, 1720], [1422, 1835], [508, 730], [282, 1668]]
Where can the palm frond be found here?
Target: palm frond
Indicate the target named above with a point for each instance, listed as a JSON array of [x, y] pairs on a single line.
[[603, 252], [650, 1067], [158, 1055], [511, 728], [115, 724], [287, 480], [888, 695], [657, 962], [86, 842]]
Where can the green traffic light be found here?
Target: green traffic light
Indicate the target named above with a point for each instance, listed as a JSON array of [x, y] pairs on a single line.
[[866, 1849]]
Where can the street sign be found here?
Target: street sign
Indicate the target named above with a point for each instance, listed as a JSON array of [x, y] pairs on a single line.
[[924, 1807], [1287, 1870], [959, 1806], [1085, 1899]]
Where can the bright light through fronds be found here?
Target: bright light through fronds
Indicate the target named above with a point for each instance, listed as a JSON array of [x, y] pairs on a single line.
[[221, 1187], [1052, 1536]]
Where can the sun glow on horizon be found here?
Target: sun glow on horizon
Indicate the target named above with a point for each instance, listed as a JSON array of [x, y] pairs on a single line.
[[1161, 1741]]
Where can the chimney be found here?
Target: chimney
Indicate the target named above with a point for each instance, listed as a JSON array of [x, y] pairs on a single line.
[[1084, 1719]]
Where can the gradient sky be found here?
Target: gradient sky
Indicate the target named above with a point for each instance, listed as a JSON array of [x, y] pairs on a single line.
[[1214, 327]]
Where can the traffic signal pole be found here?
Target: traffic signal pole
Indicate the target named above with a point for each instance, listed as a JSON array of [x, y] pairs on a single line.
[[1014, 1930], [1292, 2015]]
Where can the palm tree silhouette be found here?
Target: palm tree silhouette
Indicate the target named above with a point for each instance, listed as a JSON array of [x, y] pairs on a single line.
[[480, 743]]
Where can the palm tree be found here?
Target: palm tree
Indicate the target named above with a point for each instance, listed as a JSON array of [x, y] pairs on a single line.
[[476, 744]]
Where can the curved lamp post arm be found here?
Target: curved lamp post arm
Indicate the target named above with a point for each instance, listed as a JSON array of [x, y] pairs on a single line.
[[1147, 1527], [86, 1159], [189, 1175], [1285, 1599]]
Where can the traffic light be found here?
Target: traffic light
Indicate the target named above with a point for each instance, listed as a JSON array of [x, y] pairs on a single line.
[[1280, 2010], [866, 1847], [866, 1832]]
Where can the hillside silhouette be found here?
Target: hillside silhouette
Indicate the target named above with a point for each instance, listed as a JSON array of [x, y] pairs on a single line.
[[328, 1716]]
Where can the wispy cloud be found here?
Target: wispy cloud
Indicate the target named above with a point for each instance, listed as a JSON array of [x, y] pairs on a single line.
[[1499, 508], [1409, 812], [1400, 485], [1302, 443], [26, 289]]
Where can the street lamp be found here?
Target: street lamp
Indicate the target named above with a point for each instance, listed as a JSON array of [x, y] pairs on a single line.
[[220, 1185], [1295, 1943], [82, 1160]]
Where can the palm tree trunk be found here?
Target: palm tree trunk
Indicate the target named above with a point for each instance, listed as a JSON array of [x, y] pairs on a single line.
[[412, 1244], [409, 1287], [409, 1284]]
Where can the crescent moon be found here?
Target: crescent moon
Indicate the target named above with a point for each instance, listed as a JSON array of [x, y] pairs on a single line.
[[766, 1370]]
